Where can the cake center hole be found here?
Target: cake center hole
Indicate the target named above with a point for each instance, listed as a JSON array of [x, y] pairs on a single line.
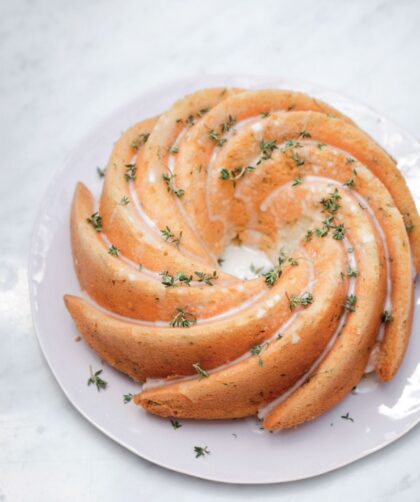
[[245, 262]]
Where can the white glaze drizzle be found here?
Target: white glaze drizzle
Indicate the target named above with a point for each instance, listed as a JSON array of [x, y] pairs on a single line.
[[264, 410]]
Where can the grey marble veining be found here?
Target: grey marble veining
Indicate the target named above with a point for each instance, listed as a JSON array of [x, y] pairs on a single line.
[[65, 65]]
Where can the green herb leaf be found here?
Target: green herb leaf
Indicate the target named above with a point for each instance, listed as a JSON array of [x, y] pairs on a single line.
[[347, 417], [124, 201], [387, 316], [349, 183], [256, 351], [95, 379], [169, 180], [331, 203], [206, 278], [127, 398], [178, 279], [201, 451], [304, 134], [350, 304], [175, 424], [113, 250], [96, 221], [182, 319], [216, 137], [130, 175], [297, 181], [140, 140], [351, 272], [201, 373], [267, 148], [170, 237], [101, 172], [226, 126]]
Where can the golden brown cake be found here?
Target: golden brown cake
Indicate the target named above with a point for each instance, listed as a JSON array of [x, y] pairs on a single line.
[[273, 170]]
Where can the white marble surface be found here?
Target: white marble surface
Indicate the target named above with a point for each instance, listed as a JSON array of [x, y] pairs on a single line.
[[64, 65]]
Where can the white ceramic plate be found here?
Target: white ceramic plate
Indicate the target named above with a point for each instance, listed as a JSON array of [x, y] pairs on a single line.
[[240, 451]]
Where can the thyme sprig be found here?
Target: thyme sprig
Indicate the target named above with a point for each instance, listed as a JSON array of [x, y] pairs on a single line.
[[140, 140], [256, 351], [170, 186], [304, 300], [220, 141], [235, 174], [96, 221], [206, 278], [350, 303], [170, 237], [178, 279], [95, 379], [201, 373], [130, 175], [182, 319], [201, 451]]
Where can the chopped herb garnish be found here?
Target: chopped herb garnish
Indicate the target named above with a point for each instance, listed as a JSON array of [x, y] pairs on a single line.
[[101, 172], [297, 181], [265, 114], [200, 451], [95, 379], [182, 319], [130, 175], [339, 232], [227, 126], [190, 120], [350, 303], [347, 417], [349, 183], [272, 275], [113, 250], [409, 227], [175, 424], [304, 299], [127, 398], [124, 201], [173, 149], [256, 351], [293, 262], [255, 270], [290, 143], [351, 272], [216, 136], [320, 145], [169, 180], [178, 279], [96, 221], [267, 148], [350, 250], [201, 373], [330, 204], [220, 261], [297, 159], [140, 140], [387, 316], [169, 236], [308, 236], [304, 134], [235, 174], [206, 278], [350, 160]]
